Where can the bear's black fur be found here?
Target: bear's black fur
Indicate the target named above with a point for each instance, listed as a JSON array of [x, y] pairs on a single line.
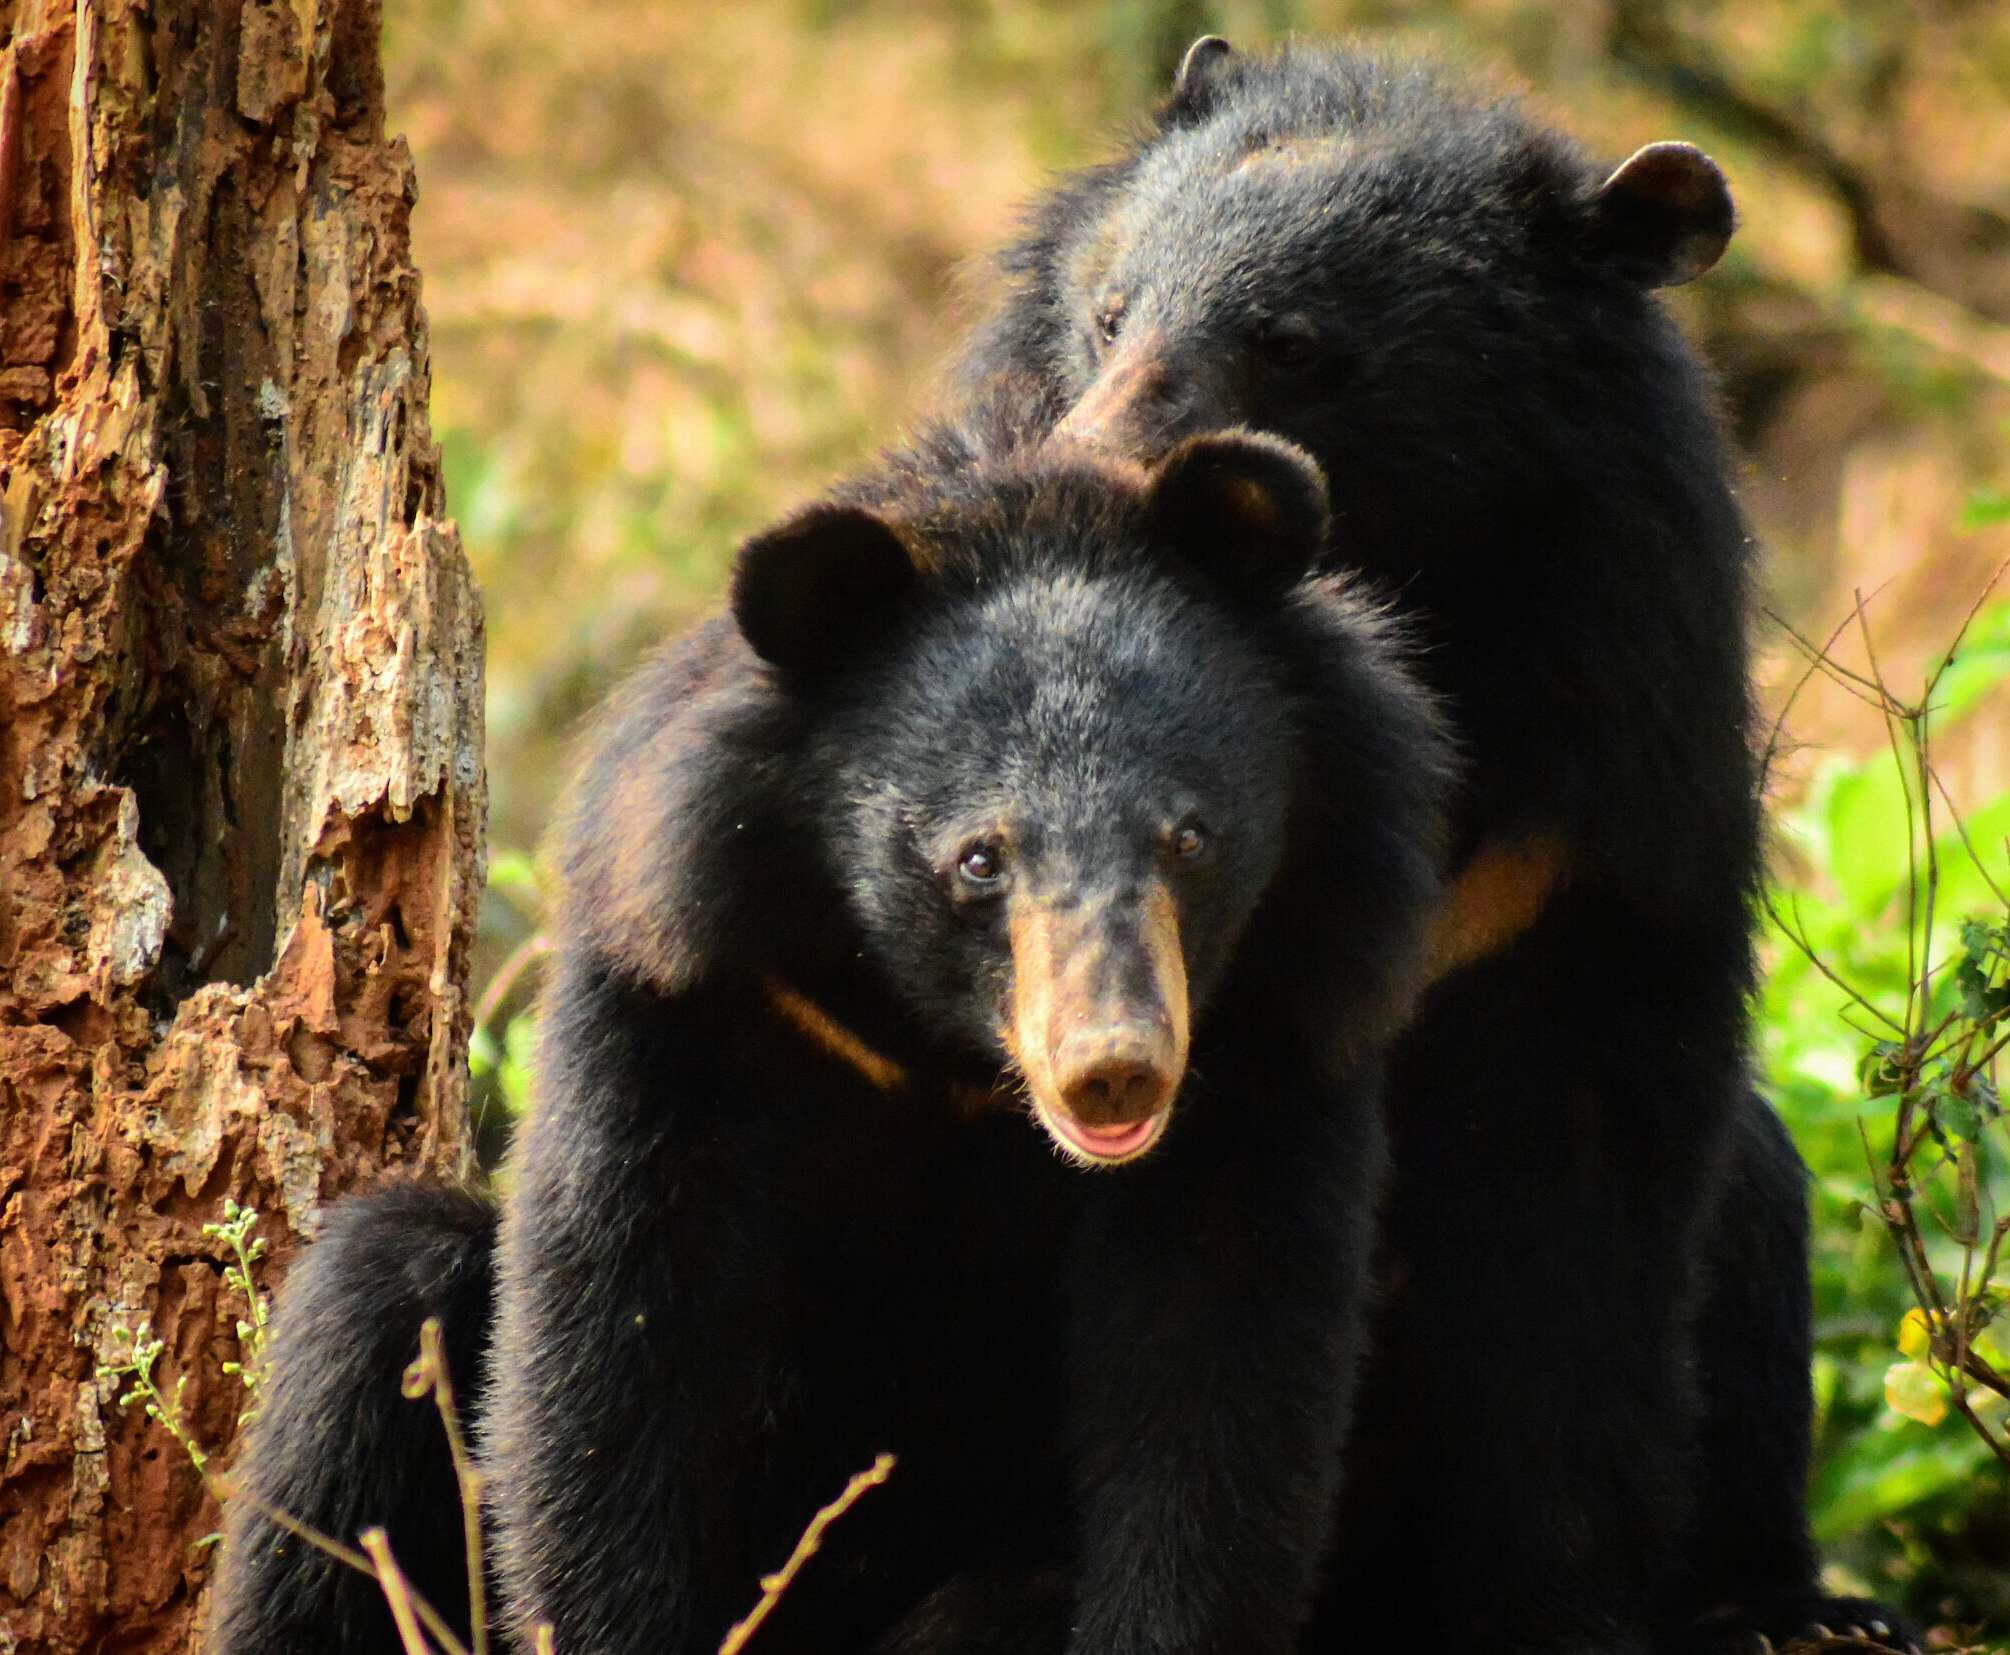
[[1595, 1349], [1044, 776]]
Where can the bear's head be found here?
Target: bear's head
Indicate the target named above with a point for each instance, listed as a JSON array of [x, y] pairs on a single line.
[[1023, 773], [1436, 296], [1065, 728]]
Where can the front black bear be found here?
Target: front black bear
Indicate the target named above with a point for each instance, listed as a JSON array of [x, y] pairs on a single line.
[[1045, 792], [1588, 1417]]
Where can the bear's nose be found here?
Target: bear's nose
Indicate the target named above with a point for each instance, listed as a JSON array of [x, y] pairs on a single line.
[[1141, 403], [1112, 1082]]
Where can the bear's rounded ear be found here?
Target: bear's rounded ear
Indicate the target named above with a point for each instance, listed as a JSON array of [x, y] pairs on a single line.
[[1246, 509], [809, 591], [1665, 214], [1193, 89]]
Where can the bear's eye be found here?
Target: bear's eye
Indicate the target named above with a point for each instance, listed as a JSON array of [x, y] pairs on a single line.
[[981, 867], [1110, 320], [1285, 341], [1188, 841]]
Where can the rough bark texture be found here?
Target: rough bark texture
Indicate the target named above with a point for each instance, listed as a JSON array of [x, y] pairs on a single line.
[[241, 795]]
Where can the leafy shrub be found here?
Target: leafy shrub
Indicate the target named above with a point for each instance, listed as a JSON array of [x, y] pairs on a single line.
[[1880, 1025]]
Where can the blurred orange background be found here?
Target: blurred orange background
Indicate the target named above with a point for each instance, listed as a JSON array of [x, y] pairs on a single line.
[[686, 262]]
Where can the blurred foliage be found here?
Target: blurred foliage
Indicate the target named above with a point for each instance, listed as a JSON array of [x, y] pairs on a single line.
[[686, 262]]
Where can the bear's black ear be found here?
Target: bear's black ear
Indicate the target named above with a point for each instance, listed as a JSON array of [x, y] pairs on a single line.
[[1193, 90], [812, 589], [1664, 215], [1246, 509]]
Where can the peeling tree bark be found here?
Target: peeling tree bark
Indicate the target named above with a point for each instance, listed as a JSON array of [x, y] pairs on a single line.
[[241, 795]]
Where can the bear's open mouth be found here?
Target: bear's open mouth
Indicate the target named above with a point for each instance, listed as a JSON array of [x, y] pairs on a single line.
[[1102, 1145]]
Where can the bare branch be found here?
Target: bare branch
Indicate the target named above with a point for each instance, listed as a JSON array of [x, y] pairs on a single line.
[[1798, 937], [428, 1376], [1968, 844], [774, 1585], [396, 1593], [1961, 633]]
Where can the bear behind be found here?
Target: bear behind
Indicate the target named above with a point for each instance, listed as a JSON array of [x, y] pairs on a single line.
[[1451, 307]]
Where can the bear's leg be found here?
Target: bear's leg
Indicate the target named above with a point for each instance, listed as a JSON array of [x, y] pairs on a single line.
[[1749, 1567], [639, 1338], [988, 1612], [1560, 1133], [1216, 1291], [682, 1371], [337, 1447]]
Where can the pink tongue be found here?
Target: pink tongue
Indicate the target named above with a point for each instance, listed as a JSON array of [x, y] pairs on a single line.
[[1113, 1139]]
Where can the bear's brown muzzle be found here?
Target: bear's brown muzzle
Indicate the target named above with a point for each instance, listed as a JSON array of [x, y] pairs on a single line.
[[1144, 399], [1099, 1018]]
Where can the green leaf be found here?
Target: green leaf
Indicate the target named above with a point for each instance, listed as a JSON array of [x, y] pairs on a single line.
[[1980, 939], [1981, 998], [1986, 507], [1880, 1074], [1913, 1389], [1956, 1113]]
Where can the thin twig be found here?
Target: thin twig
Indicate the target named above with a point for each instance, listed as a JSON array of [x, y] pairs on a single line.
[[299, 1530], [1967, 844], [774, 1585], [1815, 658], [1894, 714], [429, 1375], [1921, 732], [396, 1593], [1821, 657], [521, 958], [1894, 1211], [434, 1621], [1799, 939], [2000, 1448], [1961, 632], [1989, 1053], [1855, 1027]]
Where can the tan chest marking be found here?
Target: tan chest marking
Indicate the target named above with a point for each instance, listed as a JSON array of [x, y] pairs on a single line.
[[826, 1032], [1499, 894]]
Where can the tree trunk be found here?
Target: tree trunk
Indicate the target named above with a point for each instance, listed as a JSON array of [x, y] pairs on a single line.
[[241, 795]]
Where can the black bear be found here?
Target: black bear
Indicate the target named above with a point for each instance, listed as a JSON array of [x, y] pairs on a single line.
[[1588, 1415], [1037, 791]]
